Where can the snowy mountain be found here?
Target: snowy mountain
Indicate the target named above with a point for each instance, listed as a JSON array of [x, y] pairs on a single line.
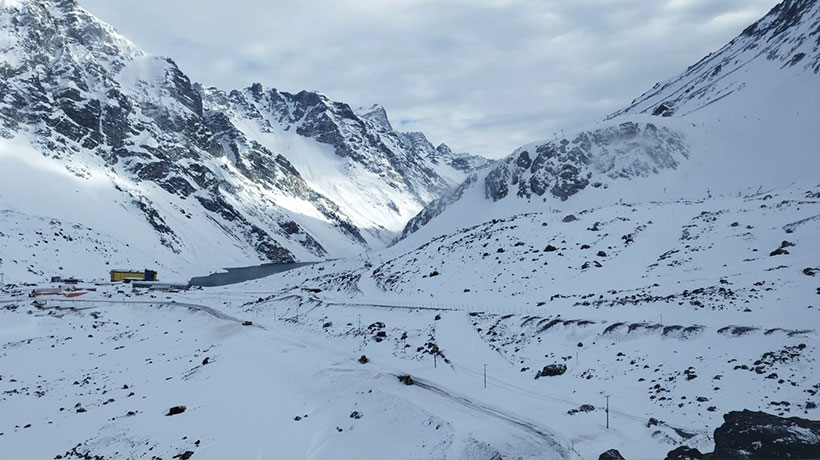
[[788, 38], [738, 121], [646, 283], [125, 143]]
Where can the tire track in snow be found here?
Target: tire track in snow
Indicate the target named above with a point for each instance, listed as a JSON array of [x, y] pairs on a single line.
[[529, 427]]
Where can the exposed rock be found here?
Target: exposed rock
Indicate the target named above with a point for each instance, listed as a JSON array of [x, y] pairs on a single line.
[[782, 249], [758, 435], [684, 453], [176, 410], [581, 408], [551, 370], [611, 454]]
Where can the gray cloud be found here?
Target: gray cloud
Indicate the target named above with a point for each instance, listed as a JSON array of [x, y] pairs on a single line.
[[482, 75]]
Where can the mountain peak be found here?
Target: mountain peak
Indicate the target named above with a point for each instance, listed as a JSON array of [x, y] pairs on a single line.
[[787, 38], [377, 115], [783, 17]]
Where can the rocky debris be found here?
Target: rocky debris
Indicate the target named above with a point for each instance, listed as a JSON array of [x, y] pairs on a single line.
[[758, 435], [810, 271], [356, 415], [406, 379], [611, 454], [782, 249], [205, 361], [184, 455], [247, 323], [176, 410], [550, 248], [551, 370], [363, 359], [80, 452], [582, 408]]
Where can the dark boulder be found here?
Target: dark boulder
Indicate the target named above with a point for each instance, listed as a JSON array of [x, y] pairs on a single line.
[[684, 453], [176, 410], [611, 454], [759, 435], [551, 370], [781, 251], [569, 218], [406, 379]]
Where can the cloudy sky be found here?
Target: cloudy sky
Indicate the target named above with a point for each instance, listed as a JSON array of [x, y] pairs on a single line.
[[484, 76]]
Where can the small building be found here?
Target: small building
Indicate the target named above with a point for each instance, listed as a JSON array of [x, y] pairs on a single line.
[[133, 275]]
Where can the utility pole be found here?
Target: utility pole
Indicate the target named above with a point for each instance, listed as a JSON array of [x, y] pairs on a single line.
[[360, 323], [607, 412], [435, 365], [485, 376]]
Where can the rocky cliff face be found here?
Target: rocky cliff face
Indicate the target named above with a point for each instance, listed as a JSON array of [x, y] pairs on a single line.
[[564, 167], [84, 95]]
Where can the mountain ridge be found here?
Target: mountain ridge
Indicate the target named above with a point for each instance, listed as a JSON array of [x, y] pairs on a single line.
[[247, 164]]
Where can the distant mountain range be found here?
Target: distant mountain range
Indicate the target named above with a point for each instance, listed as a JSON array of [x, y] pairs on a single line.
[[127, 142]]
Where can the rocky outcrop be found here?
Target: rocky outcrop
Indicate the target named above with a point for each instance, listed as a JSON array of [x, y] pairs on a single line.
[[563, 167], [758, 435], [611, 454]]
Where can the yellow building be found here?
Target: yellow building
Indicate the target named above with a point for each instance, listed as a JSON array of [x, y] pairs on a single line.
[[130, 275]]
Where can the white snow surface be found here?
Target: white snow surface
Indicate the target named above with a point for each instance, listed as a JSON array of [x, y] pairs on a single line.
[[682, 292]]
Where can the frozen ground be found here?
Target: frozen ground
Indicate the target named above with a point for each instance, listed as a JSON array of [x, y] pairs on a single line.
[[687, 317]]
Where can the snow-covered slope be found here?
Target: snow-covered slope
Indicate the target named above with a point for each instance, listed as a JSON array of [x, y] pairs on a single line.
[[788, 38], [206, 177], [742, 119]]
